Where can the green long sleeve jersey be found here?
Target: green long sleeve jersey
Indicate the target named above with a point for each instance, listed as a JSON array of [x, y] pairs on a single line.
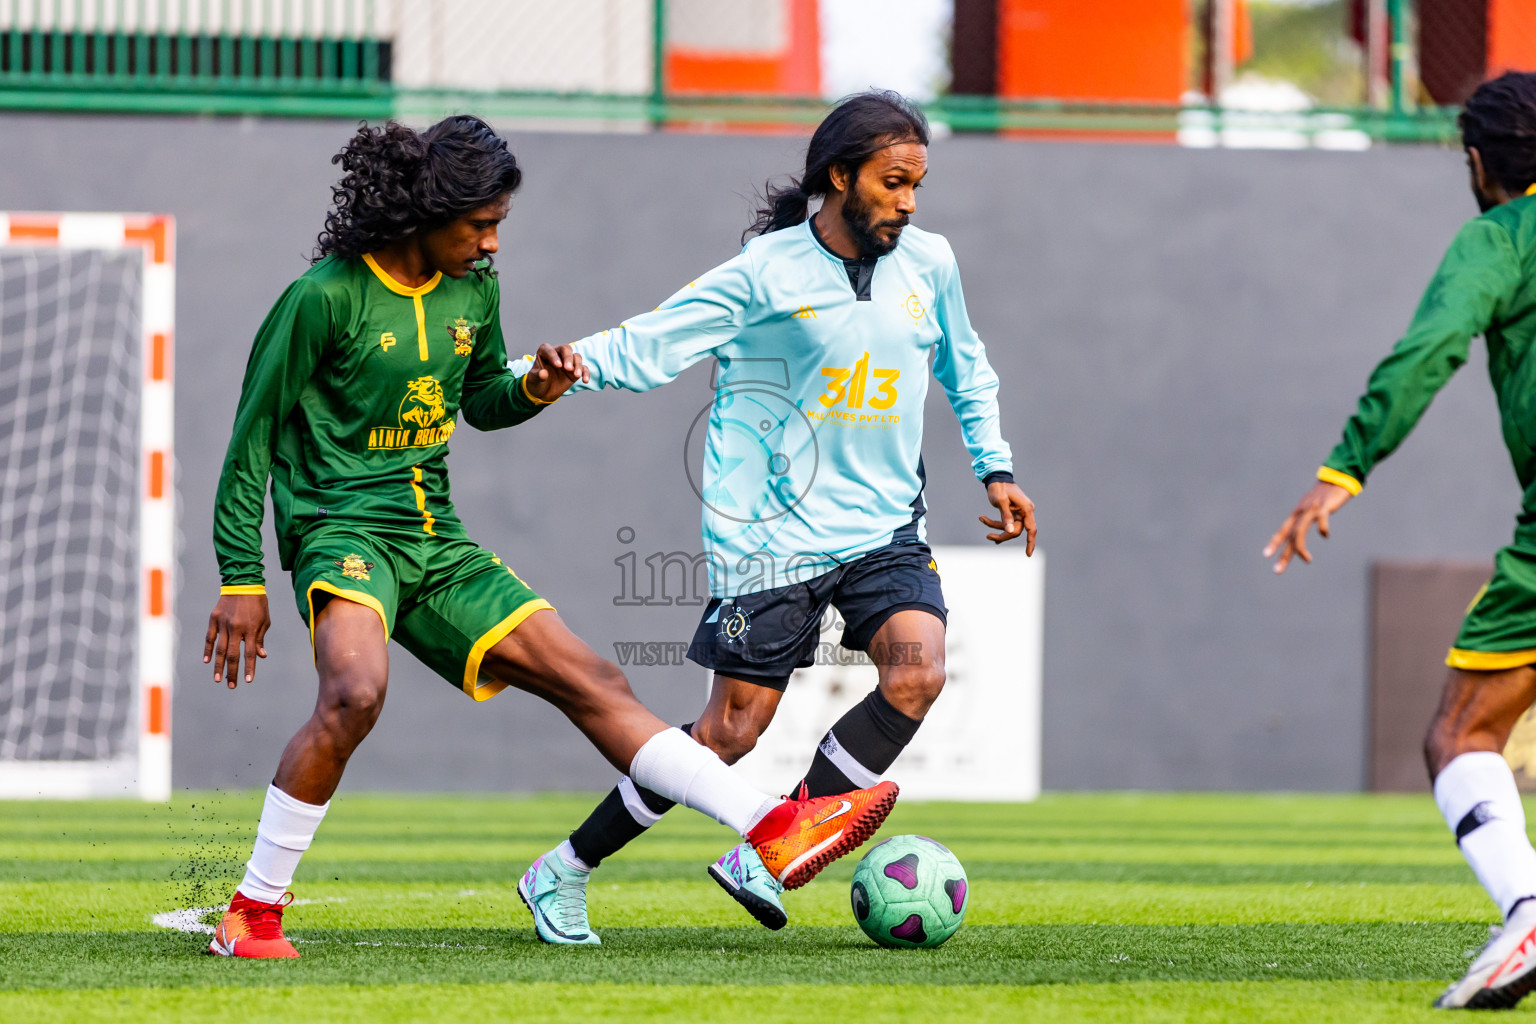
[[351, 394], [1486, 284]]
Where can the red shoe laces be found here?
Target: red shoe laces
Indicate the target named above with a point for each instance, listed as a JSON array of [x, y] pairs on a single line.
[[265, 920]]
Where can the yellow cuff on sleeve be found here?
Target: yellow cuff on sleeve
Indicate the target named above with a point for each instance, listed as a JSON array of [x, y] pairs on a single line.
[[1332, 476], [535, 401], [1488, 661], [244, 588]]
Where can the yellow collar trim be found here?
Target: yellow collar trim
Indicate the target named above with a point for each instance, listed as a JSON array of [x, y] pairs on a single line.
[[1531, 191], [396, 286]]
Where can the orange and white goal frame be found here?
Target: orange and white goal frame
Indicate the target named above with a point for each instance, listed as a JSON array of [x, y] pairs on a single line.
[[147, 772]]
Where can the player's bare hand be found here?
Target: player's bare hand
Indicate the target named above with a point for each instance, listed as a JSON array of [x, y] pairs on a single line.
[[1316, 506], [238, 620], [1017, 515], [555, 369]]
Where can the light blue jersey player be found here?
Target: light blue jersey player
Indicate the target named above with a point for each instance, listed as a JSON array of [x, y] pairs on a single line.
[[813, 449], [824, 330]]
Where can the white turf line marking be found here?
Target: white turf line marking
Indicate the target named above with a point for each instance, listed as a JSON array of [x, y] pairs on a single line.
[[190, 920], [396, 945]]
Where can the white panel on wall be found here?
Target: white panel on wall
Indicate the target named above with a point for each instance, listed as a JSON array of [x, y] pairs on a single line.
[[729, 26], [601, 46], [981, 740]]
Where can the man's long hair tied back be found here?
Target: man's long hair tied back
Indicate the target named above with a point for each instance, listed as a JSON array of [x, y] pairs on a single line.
[[1499, 119], [856, 129], [397, 181]]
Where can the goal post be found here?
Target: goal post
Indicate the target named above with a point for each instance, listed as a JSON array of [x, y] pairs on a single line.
[[87, 505]]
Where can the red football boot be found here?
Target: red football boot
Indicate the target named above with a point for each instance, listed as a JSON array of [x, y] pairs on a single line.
[[801, 836], [253, 929]]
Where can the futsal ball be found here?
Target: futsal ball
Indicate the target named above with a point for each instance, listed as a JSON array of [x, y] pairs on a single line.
[[909, 892]]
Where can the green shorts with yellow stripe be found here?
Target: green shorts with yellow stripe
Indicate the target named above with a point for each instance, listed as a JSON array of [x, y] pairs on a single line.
[[442, 597], [1499, 631]]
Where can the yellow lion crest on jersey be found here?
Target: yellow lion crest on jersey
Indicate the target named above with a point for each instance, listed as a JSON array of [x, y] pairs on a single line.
[[423, 402]]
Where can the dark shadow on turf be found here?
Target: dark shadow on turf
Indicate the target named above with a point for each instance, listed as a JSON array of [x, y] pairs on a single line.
[[318, 872], [1012, 955]]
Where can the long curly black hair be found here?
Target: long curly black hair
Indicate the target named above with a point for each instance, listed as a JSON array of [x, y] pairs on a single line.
[[398, 181], [856, 129], [1500, 120]]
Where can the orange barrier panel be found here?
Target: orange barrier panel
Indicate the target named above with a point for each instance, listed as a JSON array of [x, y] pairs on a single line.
[[1511, 36], [1242, 33], [1092, 50], [794, 72]]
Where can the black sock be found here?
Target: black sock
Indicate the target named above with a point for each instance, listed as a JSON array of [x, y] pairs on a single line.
[[612, 825], [866, 740]]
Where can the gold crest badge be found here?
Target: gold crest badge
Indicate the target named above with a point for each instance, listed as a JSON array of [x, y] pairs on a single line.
[[353, 567], [463, 336]]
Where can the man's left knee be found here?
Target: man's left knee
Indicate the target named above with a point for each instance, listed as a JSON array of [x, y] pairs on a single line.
[[914, 685], [730, 737]]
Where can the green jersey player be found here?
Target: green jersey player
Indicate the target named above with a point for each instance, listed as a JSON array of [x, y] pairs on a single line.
[[1485, 285], [350, 398]]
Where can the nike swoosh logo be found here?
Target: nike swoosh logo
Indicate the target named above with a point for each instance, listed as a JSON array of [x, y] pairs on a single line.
[[843, 807], [1515, 961]]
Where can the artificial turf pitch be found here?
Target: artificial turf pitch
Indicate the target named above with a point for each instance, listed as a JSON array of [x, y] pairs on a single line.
[[1083, 907]]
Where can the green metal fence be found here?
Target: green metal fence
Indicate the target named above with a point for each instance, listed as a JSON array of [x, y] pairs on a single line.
[[206, 56], [344, 58]]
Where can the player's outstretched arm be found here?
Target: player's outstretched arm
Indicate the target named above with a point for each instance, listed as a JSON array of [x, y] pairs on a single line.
[[497, 395], [238, 620], [652, 349], [1017, 515], [1316, 506], [1480, 273]]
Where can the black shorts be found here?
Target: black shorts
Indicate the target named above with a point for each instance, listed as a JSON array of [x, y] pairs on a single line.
[[763, 637]]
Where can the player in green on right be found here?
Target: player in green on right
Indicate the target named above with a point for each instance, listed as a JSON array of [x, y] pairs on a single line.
[[1485, 285]]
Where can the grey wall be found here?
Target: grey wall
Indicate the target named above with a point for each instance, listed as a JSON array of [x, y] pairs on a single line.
[[1180, 335]]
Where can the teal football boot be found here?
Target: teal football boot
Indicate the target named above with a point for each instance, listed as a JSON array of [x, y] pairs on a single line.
[[741, 873], [556, 896]]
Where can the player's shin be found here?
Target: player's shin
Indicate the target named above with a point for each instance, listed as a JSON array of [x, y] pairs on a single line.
[[286, 829], [1478, 797], [678, 768], [860, 747]]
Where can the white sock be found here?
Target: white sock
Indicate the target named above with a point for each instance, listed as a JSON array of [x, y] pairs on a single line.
[[567, 854], [287, 827], [635, 804], [1479, 800], [679, 768]]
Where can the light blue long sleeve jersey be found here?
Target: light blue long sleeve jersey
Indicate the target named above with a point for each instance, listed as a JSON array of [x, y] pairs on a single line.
[[812, 446]]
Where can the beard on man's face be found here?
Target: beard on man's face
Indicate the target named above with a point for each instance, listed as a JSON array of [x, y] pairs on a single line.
[[865, 229]]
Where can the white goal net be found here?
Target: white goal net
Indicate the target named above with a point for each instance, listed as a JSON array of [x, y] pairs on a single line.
[[86, 528]]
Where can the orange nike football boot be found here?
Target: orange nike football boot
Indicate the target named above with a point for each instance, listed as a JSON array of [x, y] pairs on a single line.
[[801, 836], [253, 929]]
